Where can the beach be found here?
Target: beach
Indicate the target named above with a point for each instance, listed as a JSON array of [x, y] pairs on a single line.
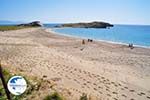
[[104, 71]]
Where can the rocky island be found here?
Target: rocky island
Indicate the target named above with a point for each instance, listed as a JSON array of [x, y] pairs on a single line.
[[87, 25]]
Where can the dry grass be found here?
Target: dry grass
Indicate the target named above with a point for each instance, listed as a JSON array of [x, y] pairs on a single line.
[[7, 28]]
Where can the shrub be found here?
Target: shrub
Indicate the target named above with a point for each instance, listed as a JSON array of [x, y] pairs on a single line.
[[54, 96], [83, 97]]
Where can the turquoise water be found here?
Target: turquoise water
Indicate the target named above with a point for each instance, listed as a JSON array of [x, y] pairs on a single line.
[[138, 35]]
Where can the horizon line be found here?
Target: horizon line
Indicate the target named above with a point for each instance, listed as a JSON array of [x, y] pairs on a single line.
[[47, 22]]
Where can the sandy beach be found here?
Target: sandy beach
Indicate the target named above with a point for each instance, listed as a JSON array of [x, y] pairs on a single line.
[[102, 70]]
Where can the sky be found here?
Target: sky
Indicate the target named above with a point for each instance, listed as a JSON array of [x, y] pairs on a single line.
[[64, 11]]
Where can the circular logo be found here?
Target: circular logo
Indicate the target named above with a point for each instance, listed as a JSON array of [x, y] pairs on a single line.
[[17, 85]]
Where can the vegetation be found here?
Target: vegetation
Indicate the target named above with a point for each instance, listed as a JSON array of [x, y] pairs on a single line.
[[84, 97], [33, 86], [7, 76], [54, 96], [2, 91], [30, 88], [7, 28]]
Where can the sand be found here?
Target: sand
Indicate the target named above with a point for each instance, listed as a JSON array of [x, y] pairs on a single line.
[[102, 70]]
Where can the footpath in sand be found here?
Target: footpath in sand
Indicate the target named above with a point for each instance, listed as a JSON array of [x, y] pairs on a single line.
[[105, 71]]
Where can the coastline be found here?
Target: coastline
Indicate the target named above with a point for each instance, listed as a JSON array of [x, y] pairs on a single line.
[[105, 41], [98, 69]]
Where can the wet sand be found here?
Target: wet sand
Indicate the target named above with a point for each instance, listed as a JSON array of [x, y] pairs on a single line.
[[102, 70]]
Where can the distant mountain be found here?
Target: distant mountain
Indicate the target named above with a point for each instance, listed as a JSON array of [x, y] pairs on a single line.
[[5, 22]]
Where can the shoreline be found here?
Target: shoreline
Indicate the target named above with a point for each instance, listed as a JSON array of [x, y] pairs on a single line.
[[99, 69], [104, 41]]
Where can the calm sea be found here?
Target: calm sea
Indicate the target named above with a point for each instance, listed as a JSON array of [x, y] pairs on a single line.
[[136, 34]]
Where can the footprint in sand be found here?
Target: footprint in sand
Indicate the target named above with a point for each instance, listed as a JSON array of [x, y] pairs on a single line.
[[106, 86], [148, 97], [95, 89], [107, 90], [102, 78], [115, 98], [113, 82], [88, 82], [84, 84], [84, 72], [115, 85], [75, 69], [100, 87], [124, 95], [95, 84], [90, 76], [100, 92], [109, 95], [108, 83], [80, 71], [142, 93], [119, 84], [126, 87], [132, 99], [132, 90], [114, 92]]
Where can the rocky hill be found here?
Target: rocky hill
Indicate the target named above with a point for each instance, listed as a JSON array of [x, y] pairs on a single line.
[[87, 25], [35, 23]]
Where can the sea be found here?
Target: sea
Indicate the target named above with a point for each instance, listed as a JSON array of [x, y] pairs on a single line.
[[138, 35]]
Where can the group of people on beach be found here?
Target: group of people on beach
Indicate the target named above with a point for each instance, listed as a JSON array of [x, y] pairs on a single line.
[[89, 40], [131, 46]]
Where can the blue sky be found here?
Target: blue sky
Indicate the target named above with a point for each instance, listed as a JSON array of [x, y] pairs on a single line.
[[60, 11]]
